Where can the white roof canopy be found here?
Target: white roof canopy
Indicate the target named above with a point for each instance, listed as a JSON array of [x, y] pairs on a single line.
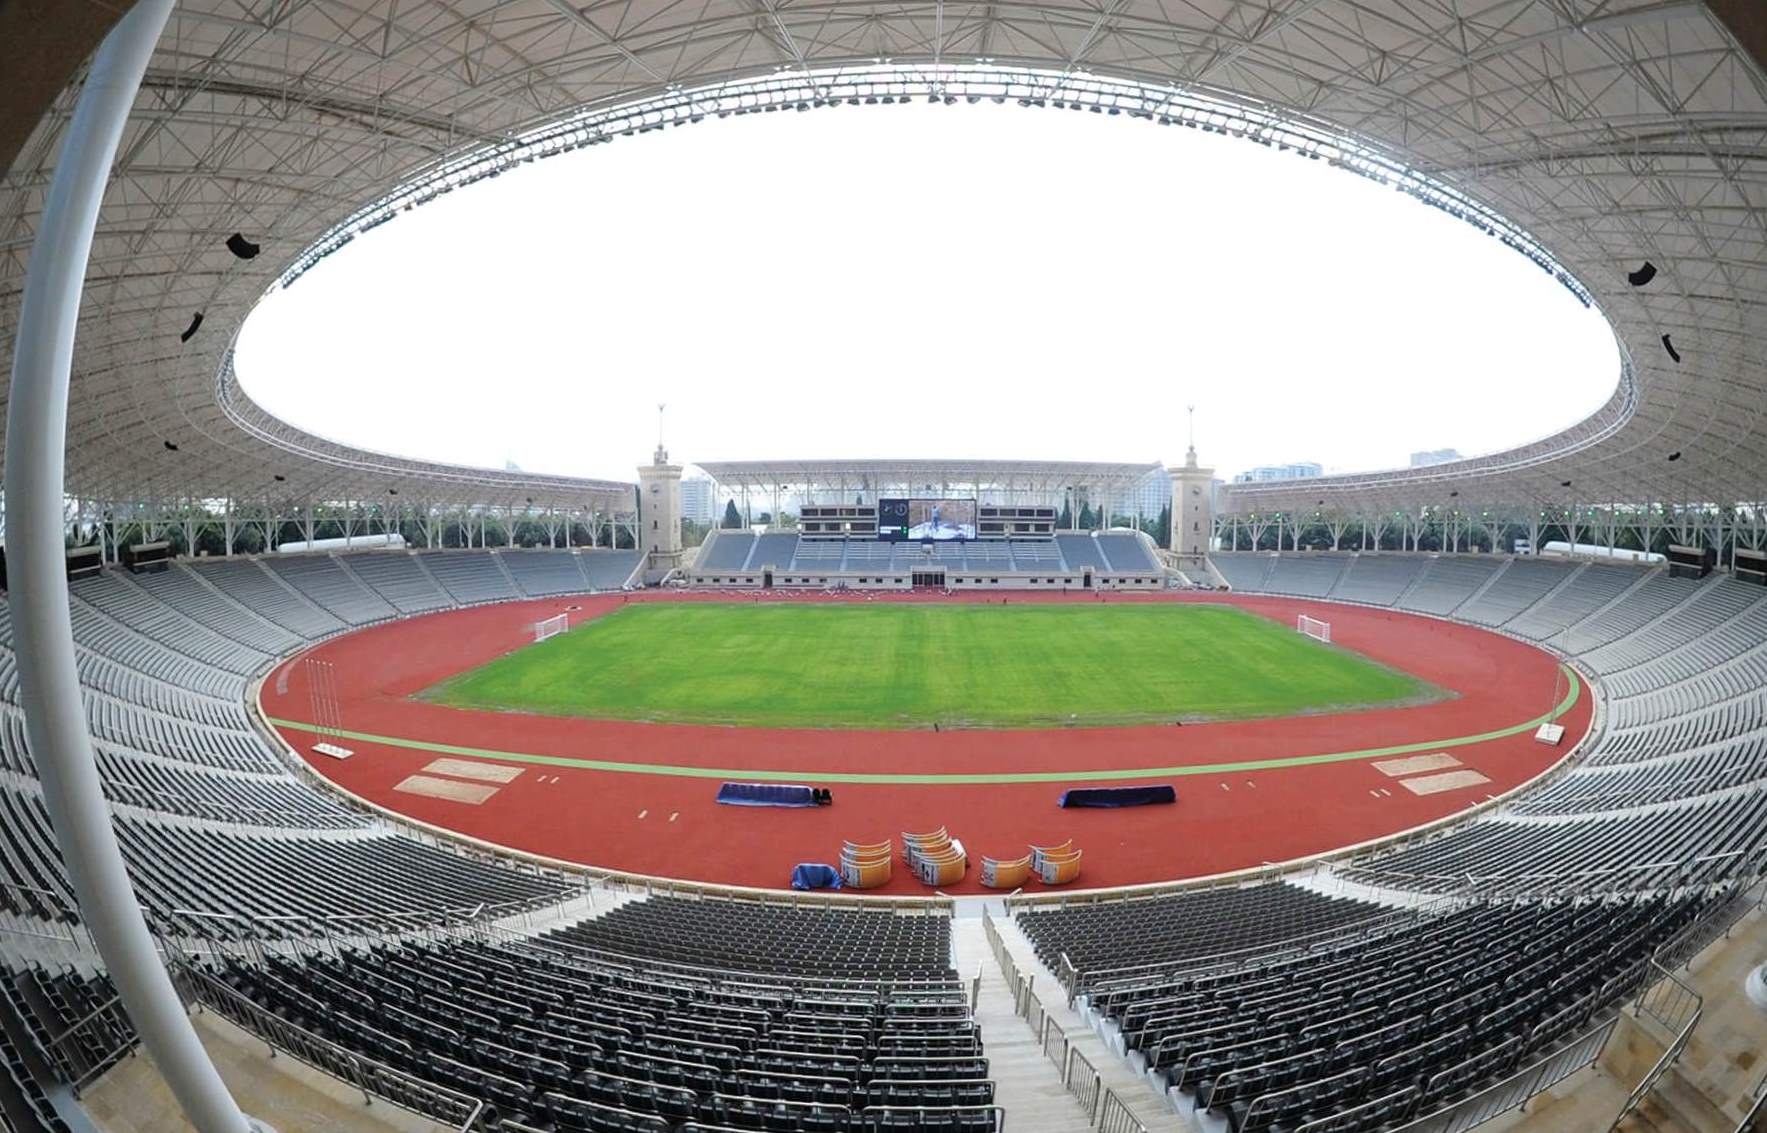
[[1612, 132]]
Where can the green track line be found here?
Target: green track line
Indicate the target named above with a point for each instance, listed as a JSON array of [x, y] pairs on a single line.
[[1572, 695]]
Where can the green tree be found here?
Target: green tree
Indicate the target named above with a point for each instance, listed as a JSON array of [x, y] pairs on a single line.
[[732, 517], [1065, 520]]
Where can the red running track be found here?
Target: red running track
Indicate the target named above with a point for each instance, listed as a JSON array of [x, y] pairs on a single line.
[[669, 826]]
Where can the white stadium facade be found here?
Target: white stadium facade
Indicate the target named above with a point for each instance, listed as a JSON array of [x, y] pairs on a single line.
[[212, 150]]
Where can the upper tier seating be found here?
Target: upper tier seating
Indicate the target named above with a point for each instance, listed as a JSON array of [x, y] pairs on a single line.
[[250, 584], [1310, 576], [1127, 553], [774, 549], [1377, 579], [328, 586], [541, 574], [1081, 551], [1523, 583], [1245, 571], [183, 590], [470, 576], [729, 550], [1447, 581], [398, 578], [1589, 591], [608, 569]]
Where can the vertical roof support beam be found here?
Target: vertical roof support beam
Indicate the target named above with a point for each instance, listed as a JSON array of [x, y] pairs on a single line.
[[36, 447]]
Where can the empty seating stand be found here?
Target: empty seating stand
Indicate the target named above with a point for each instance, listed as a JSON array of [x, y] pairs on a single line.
[[470, 576], [1448, 580], [396, 576], [542, 574], [1306, 575], [1377, 580]]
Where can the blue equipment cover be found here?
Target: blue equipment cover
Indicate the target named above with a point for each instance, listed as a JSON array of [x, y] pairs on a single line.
[[815, 875], [1118, 796], [766, 794]]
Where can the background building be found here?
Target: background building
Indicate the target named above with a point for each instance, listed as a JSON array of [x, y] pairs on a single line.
[[699, 499], [1298, 470]]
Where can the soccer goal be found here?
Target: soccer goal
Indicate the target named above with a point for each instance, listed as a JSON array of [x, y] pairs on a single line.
[[1313, 628], [551, 627]]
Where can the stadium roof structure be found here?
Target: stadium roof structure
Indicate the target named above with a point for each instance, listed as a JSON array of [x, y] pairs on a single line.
[[1039, 479], [1593, 136]]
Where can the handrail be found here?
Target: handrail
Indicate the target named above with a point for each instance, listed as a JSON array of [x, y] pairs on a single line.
[[368, 1076], [1114, 1115], [1515, 1089], [1755, 1120], [1670, 1002]]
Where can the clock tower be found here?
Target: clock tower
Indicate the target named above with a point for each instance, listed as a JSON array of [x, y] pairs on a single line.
[[1193, 505], [659, 516]]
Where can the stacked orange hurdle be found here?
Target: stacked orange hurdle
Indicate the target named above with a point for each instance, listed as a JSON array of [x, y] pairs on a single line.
[[866, 865], [1052, 865], [935, 858]]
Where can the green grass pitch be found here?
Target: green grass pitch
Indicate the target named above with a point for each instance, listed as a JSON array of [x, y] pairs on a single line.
[[907, 665]]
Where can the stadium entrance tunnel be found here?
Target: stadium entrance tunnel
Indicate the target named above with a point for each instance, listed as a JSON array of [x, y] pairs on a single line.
[[640, 798]]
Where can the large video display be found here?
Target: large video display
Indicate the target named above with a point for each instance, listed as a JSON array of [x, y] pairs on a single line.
[[900, 520]]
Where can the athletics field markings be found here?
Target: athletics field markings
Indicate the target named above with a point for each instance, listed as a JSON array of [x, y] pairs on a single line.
[[1572, 695]]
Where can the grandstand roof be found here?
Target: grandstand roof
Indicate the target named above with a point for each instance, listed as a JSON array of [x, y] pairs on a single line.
[[1038, 475], [1613, 132]]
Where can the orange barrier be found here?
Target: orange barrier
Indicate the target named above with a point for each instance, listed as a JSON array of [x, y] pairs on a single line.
[[936, 840], [1006, 875], [944, 868], [1038, 853], [867, 873], [1059, 869], [866, 865]]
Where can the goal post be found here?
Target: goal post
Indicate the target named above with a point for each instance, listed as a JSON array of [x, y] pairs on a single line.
[[551, 627], [1313, 628]]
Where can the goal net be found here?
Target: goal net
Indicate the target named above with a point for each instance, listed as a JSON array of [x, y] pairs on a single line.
[[551, 627], [1313, 628]]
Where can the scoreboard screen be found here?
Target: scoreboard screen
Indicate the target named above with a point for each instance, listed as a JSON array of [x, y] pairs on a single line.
[[920, 520]]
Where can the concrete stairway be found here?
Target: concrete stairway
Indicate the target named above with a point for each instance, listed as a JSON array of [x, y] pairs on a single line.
[[1131, 1087], [1026, 1084]]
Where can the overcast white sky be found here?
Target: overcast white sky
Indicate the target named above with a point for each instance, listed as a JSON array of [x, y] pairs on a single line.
[[924, 281]]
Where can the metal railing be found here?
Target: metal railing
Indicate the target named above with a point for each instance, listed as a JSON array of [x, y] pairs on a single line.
[[1105, 1110], [1514, 1091], [1755, 1120], [1674, 1006], [93, 1043], [1114, 1116], [374, 1080]]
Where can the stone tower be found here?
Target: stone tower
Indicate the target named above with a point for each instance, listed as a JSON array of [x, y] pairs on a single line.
[[659, 516], [1193, 506]]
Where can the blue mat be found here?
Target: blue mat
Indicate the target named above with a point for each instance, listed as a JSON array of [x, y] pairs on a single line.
[[766, 794], [814, 875], [1118, 796]]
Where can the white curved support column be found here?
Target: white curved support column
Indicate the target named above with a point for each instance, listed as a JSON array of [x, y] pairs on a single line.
[[36, 447]]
